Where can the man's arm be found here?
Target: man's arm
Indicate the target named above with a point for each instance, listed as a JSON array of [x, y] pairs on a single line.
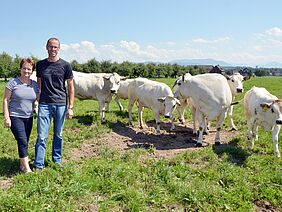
[[71, 98]]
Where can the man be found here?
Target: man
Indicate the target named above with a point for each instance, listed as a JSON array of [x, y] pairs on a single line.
[[52, 73]]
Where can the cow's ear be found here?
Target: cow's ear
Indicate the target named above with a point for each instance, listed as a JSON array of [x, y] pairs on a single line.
[[177, 102], [246, 77], [106, 78], [227, 77], [265, 106], [161, 99]]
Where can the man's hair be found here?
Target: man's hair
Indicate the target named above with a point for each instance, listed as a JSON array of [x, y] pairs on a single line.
[[52, 39], [28, 60]]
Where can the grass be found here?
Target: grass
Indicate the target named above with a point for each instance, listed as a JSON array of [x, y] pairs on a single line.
[[225, 178]]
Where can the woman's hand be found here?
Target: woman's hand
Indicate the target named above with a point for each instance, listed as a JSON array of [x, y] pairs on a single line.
[[7, 122]]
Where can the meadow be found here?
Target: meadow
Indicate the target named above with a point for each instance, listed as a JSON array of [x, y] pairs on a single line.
[[100, 177]]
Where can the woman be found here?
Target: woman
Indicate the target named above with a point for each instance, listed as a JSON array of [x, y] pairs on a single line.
[[18, 104]]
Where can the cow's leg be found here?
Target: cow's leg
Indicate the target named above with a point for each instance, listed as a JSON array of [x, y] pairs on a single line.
[[230, 112], [172, 127], [275, 133], [254, 134], [117, 99], [207, 126], [157, 118], [193, 112], [102, 109], [219, 124], [130, 106], [107, 103], [140, 115], [249, 130], [200, 118], [181, 111]]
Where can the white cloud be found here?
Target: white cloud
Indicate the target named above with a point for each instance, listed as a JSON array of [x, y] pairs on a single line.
[[218, 40], [261, 48], [275, 31]]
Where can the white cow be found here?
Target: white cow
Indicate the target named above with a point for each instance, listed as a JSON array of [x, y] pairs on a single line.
[[235, 83], [122, 92], [211, 96], [154, 95], [97, 86], [265, 110]]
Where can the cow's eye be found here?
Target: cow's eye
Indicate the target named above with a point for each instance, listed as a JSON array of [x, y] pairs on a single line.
[[178, 83], [232, 80], [272, 110], [174, 106]]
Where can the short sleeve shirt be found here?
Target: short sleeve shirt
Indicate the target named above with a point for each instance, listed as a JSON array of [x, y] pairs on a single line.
[[53, 77], [22, 98]]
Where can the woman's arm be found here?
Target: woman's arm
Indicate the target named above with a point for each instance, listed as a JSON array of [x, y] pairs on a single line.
[[6, 101]]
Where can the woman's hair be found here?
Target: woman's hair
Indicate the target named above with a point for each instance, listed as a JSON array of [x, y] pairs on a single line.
[[28, 60]]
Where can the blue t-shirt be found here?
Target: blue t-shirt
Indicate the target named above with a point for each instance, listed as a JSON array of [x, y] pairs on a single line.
[[53, 77], [22, 98]]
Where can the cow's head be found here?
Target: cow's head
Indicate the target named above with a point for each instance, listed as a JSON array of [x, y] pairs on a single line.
[[170, 103], [273, 111], [217, 69], [113, 82], [177, 84], [235, 82]]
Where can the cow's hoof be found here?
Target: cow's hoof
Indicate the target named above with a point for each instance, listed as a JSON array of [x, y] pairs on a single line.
[[205, 133], [277, 154], [233, 129], [199, 145], [217, 143]]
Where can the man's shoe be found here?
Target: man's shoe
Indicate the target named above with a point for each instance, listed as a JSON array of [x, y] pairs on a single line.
[[59, 165], [37, 169]]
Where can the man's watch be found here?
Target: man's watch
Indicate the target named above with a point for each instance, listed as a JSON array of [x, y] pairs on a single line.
[[71, 107]]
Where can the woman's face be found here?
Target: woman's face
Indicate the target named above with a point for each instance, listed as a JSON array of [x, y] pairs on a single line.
[[26, 69]]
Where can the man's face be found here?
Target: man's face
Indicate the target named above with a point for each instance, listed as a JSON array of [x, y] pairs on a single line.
[[53, 48]]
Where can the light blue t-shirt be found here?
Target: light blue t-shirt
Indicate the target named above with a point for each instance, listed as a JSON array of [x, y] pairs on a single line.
[[22, 98]]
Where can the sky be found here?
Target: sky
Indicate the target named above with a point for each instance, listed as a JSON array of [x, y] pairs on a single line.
[[247, 32]]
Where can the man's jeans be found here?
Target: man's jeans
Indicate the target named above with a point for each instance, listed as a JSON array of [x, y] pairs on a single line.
[[45, 114]]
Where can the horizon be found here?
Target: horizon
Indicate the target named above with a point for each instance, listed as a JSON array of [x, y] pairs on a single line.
[[238, 33]]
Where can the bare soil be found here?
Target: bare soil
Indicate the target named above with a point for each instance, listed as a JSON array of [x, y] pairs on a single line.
[[166, 145]]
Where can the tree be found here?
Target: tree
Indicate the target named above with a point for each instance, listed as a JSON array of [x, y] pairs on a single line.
[[6, 65], [105, 66]]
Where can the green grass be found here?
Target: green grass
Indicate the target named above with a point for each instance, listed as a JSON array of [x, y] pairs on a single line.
[[225, 178]]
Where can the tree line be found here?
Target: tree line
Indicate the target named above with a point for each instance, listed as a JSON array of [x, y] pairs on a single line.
[[9, 67]]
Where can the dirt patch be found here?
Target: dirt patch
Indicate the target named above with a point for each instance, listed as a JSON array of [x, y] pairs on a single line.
[[5, 184], [264, 206], [165, 145]]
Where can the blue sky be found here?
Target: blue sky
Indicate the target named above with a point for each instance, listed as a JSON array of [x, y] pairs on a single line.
[[237, 32]]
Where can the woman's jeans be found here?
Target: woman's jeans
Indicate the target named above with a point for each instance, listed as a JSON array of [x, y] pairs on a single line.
[[21, 129], [45, 114]]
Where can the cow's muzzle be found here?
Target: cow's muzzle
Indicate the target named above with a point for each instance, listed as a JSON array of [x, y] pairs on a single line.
[[278, 121], [167, 116], [113, 91], [239, 90]]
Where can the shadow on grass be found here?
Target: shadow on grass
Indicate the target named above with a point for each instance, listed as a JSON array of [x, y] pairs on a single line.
[[9, 167], [181, 138], [86, 120], [235, 153]]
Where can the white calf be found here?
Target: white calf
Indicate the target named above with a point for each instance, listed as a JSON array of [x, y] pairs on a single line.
[[155, 95], [265, 110]]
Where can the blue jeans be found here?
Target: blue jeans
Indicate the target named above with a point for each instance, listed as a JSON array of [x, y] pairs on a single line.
[[45, 114]]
